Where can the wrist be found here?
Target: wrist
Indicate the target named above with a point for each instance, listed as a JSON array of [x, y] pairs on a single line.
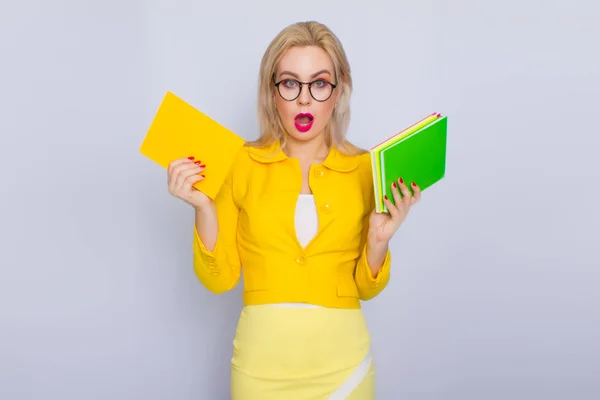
[[375, 244], [379, 248], [205, 210], [376, 254]]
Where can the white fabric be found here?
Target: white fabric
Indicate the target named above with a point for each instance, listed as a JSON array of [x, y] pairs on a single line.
[[306, 218], [296, 305], [348, 386]]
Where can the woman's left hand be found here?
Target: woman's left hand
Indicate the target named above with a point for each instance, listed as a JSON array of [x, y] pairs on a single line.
[[382, 226]]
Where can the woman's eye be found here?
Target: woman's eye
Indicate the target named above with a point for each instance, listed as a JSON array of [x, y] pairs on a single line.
[[290, 83], [320, 84]]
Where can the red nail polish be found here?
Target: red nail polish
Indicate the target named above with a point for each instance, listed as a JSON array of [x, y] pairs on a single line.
[[401, 180], [414, 184], [203, 176], [203, 166], [394, 184], [385, 196], [190, 158], [197, 163]]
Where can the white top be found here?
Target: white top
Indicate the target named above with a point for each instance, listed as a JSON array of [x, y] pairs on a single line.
[[307, 221]]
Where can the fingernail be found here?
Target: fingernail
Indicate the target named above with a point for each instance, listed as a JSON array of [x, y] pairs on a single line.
[[401, 180], [190, 158], [414, 184], [203, 176], [385, 196], [197, 163], [394, 184], [203, 166]]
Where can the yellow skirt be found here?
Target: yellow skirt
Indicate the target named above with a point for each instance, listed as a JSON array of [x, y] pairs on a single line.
[[284, 352]]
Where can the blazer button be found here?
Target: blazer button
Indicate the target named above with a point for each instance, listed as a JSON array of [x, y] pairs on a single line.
[[301, 260], [326, 208], [319, 173]]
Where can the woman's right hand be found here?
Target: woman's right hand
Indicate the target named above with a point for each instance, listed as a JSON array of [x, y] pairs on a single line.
[[182, 174]]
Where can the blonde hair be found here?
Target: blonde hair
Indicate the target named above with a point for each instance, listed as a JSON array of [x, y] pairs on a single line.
[[309, 33]]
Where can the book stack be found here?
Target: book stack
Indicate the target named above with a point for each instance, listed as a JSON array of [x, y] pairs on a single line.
[[415, 154]]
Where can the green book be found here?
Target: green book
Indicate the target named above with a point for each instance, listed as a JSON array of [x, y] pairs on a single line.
[[417, 154]]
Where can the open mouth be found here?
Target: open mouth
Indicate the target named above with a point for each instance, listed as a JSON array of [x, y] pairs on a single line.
[[304, 121]]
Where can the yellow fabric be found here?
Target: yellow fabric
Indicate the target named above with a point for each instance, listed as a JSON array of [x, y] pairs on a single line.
[[256, 208], [298, 353]]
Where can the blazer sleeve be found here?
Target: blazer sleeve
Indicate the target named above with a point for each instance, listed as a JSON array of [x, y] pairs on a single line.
[[219, 270]]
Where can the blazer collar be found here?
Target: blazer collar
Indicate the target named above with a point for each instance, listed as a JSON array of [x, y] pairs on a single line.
[[335, 160]]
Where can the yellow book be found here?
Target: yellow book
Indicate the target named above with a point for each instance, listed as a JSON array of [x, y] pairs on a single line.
[[180, 130]]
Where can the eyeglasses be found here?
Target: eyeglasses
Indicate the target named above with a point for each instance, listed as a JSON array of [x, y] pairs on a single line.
[[290, 89]]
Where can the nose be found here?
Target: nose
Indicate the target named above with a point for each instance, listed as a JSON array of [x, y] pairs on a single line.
[[304, 98]]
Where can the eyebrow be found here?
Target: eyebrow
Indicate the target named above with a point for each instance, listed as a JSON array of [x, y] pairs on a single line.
[[323, 71]]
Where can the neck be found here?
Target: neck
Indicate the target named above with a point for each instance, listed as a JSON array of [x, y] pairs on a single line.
[[314, 150]]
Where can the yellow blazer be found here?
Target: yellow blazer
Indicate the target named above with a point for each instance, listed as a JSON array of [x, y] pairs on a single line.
[[256, 214]]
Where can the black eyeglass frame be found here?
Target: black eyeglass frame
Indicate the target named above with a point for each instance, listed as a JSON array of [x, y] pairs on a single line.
[[309, 84]]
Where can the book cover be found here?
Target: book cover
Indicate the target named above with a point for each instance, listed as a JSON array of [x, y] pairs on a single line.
[[179, 130], [419, 157], [376, 159]]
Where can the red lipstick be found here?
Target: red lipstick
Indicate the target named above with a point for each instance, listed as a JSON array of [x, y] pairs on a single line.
[[304, 121]]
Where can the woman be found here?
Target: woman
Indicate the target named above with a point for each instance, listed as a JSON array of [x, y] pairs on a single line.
[[297, 212]]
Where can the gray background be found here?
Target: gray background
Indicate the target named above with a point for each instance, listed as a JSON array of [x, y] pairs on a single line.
[[494, 292]]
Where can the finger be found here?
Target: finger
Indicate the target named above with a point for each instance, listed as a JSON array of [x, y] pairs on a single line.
[[416, 192], [406, 195], [184, 174], [396, 195], [177, 169], [182, 160], [190, 181], [179, 161], [394, 213], [174, 175], [176, 165]]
